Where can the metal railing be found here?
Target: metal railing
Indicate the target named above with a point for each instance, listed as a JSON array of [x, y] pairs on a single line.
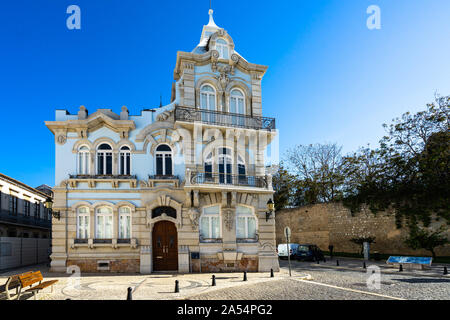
[[163, 177], [98, 176], [8, 217], [228, 179], [225, 119]]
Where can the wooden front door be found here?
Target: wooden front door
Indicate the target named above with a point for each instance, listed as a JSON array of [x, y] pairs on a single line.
[[165, 247]]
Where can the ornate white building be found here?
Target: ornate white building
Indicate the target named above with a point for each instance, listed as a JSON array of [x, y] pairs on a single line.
[[179, 188]]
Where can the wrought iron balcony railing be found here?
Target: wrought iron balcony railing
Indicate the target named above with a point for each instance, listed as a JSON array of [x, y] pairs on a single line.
[[228, 179], [9, 217], [163, 177], [98, 176], [225, 119]]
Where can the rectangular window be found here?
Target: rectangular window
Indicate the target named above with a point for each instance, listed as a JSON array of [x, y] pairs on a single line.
[[210, 223], [13, 204], [104, 227], [27, 206], [125, 226], [83, 227], [159, 165], [100, 164]]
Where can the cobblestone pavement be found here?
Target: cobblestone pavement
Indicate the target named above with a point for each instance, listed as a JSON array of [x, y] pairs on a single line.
[[145, 287], [347, 282], [326, 282]]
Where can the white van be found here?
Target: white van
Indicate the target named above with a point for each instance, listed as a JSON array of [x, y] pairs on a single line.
[[282, 250]]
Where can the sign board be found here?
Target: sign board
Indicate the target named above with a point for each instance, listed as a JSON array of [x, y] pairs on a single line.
[[410, 260], [287, 232]]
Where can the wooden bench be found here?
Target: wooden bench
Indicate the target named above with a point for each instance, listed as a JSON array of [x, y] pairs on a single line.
[[12, 283], [29, 279]]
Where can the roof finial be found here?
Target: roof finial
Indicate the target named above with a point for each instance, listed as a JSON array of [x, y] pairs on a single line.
[[211, 18]]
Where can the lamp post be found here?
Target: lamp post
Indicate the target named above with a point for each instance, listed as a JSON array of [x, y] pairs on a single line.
[[270, 209], [49, 206]]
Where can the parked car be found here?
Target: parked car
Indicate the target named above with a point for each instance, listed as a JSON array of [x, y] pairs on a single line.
[[309, 252], [282, 250]]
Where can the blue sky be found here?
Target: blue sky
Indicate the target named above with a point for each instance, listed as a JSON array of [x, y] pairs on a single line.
[[330, 78]]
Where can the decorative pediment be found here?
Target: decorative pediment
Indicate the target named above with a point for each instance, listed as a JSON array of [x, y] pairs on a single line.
[[94, 122]]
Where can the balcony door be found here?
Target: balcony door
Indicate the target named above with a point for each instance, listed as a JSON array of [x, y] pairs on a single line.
[[225, 166], [237, 108], [208, 103]]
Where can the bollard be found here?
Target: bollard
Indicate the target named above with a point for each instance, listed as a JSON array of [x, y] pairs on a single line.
[[401, 268], [129, 295], [271, 273], [337, 263], [213, 281], [318, 262], [245, 275], [364, 265], [445, 271], [177, 286]]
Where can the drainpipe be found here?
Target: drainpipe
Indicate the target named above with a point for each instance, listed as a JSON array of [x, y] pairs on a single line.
[[67, 228]]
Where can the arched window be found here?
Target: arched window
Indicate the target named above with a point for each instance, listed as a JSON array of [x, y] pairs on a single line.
[[125, 161], [164, 165], [245, 223], [210, 223], [124, 223], [225, 166], [83, 160], [83, 218], [104, 223], [222, 47], [104, 159]]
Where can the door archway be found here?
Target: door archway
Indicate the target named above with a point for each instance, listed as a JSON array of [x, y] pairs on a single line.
[[165, 246]]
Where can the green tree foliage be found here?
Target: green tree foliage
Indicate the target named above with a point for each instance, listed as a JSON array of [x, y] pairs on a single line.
[[420, 238], [409, 171]]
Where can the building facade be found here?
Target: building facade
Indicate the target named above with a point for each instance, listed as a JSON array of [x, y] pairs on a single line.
[[22, 210], [178, 188]]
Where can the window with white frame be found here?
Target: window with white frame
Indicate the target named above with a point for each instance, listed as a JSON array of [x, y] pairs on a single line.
[[210, 223], [125, 161], [208, 102], [222, 47], [245, 223], [209, 166], [83, 160], [225, 161], [83, 218], [124, 223], [164, 164], [237, 101], [104, 159], [104, 223]]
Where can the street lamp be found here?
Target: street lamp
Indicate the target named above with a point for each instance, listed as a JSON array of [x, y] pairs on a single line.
[[49, 205], [270, 208]]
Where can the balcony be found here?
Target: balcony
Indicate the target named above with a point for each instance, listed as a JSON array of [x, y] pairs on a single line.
[[21, 219], [225, 180], [163, 180], [92, 180], [224, 119]]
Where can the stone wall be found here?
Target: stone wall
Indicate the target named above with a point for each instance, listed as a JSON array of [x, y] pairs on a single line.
[[325, 224], [216, 265], [115, 266]]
